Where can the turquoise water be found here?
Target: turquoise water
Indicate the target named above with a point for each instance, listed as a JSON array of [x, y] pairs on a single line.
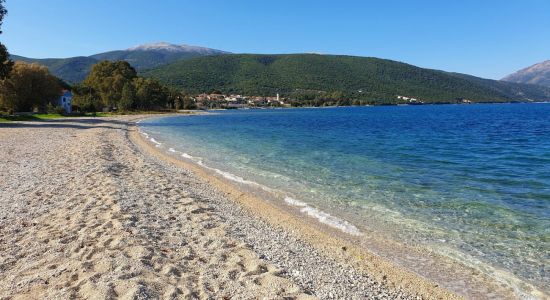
[[468, 181]]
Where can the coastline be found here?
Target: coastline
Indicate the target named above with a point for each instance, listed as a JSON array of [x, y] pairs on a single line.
[[87, 213], [129, 218], [371, 252]]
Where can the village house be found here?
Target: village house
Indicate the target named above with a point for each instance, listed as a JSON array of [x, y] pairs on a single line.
[[66, 101], [464, 101], [410, 100], [216, 97], [403, 98], [201, 97]]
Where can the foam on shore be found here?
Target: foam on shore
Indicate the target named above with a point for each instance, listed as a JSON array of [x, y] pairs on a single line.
[[146, 135], [500, 276], [319, 215], [324, 217]]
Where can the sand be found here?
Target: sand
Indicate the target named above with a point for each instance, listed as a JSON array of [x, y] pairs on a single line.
[[89, 211]]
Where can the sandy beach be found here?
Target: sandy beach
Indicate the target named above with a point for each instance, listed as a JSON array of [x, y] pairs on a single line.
[[89, 211]]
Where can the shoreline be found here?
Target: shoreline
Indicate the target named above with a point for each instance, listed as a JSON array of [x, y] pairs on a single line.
[[110, 220], [119, 192], [334, 242]]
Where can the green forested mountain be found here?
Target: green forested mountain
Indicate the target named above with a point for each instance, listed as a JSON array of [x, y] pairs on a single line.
[[352, 77], [75, 69]]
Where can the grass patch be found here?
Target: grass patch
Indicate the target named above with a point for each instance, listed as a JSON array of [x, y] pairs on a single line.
[[35, 117], [44, 117]]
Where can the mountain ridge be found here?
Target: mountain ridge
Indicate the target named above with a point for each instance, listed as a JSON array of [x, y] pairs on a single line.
[[538, 73], [75, 69], [199, 69], [168, 47]]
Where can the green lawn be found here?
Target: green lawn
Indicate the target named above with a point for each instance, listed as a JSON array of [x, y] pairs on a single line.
[[45, 117]]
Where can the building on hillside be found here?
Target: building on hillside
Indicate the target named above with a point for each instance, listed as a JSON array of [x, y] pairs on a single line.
[[201, 97], [66, 101], [464, 101], [403, 98]]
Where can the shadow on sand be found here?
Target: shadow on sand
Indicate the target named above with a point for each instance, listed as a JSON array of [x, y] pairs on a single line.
[[76, 123]]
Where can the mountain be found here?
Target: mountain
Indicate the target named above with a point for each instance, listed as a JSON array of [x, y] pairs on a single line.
[[519, 91], [358, 77], [75, 69], [153, 55], [535, 74]]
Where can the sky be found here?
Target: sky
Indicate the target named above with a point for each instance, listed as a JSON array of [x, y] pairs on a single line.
[[486, 38]]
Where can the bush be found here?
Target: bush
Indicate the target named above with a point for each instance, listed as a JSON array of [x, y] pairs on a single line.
[[54, 109], [59, 110]]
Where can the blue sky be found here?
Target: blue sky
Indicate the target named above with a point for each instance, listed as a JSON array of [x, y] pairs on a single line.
[[485, 38]]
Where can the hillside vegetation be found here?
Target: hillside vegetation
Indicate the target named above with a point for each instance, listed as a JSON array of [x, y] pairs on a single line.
[[312, 75], [73, 69]]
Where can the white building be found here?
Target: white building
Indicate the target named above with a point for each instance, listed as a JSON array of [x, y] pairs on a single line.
[[66, 100]]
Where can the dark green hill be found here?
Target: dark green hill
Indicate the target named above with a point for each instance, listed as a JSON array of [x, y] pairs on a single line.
[[73, 69], [356, 77]]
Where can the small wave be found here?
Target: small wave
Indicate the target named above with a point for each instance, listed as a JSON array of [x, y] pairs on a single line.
[[321, 216], [324, 217], [157, 144], [235, 177], [522, 289], [185, 155]]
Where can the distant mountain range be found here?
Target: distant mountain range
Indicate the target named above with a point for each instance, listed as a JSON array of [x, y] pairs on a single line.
[[360, 77], [75, 69], [198, 69], [535, 74]]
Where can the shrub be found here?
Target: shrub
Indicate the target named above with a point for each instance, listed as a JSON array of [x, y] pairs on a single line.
[[54, 109]]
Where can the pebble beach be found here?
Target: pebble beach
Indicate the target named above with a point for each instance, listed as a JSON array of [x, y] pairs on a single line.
[[89, 212]]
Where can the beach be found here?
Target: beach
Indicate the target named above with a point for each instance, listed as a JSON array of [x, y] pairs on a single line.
[[91, 211]]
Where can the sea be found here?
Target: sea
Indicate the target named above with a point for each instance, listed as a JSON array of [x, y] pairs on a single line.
[[470, 182]]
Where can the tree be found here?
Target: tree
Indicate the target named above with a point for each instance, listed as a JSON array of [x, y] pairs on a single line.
[[188, 103], [116, 85], [174, 98], [108, 80], [150, 94], [28, 86], [128, 97], [85, 98], [5, 63]]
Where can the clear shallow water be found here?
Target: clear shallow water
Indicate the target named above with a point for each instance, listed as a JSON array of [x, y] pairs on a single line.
[[470, 182]]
